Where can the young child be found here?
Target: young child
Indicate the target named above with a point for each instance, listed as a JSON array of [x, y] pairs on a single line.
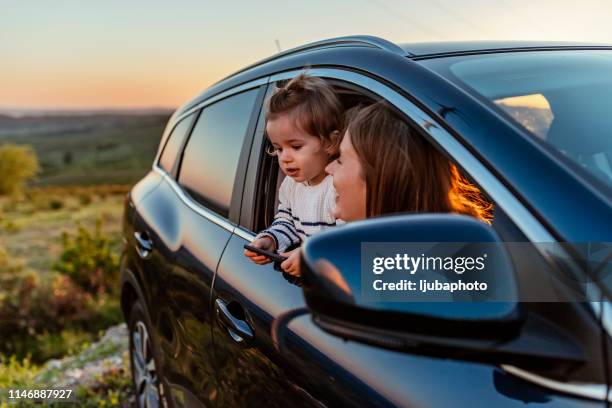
[[303, 123]]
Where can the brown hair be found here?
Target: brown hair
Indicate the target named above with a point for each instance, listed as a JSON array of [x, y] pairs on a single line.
[[314, 106], [404, 172]]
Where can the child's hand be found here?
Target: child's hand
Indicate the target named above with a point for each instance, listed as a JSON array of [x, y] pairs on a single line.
[[264, 243], [291, 265]]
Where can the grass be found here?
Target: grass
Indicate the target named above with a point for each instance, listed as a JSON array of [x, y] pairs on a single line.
[[34, 239], [36, 235]]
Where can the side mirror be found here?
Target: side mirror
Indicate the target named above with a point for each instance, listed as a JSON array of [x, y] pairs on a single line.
[[345, 269]]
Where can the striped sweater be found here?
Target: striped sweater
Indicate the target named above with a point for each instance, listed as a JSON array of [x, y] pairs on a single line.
[[303, 210]]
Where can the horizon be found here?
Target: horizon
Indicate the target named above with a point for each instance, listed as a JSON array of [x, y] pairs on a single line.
[[82, 111]]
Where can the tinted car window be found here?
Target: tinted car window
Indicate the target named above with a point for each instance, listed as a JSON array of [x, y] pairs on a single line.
[[564, 98], [211, 156], [175, 140]]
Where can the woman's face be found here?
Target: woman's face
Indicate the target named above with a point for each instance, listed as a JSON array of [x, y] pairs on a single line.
[[349, 183]]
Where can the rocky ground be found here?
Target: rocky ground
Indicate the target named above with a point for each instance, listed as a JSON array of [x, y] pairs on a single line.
[[100, 372]]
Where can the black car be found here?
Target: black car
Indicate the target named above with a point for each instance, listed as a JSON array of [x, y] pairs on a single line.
[[529, 123]]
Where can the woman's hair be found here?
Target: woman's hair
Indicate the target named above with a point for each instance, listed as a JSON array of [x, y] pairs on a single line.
[[404, 172], [314, 107]]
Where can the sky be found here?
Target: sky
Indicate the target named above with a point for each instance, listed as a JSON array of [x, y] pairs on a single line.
[[66, 54]]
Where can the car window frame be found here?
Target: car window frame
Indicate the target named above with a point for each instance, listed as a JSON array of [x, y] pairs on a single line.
[[231, 221], [236, 198], [174, 171], [250, 213], [253, 177]]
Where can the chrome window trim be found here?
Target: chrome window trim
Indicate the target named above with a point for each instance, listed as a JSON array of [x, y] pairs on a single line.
[[515, 210], [240, 88], [606, 322], [189, 202], [242, 233], [597, 392]]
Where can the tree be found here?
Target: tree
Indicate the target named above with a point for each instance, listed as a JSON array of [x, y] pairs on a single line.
[[18, 165], [67, 158]]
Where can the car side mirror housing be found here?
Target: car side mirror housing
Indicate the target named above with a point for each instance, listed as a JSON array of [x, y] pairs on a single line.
[[337, 268]]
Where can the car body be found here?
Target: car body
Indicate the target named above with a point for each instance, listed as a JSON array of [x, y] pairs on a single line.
[[224, 331]]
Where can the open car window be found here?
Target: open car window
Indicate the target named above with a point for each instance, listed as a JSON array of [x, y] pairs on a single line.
[[269, 176]]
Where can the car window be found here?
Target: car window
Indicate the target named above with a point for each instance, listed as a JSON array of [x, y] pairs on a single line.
[[562, 98], [211, 156], [174, 143]]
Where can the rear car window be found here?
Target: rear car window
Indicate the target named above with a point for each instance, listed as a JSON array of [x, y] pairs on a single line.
[[563, 98], [211, 156], [174, 143]]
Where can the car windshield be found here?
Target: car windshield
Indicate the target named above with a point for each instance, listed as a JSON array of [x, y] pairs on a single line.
[[563, 98]]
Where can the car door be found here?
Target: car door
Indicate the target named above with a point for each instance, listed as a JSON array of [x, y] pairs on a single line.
[[329, 370], [194, 210]]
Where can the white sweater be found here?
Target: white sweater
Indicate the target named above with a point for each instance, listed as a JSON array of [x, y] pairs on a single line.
[[303, 210]]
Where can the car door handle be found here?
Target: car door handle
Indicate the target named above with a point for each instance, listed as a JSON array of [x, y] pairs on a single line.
[[144, 245], [238, 329]]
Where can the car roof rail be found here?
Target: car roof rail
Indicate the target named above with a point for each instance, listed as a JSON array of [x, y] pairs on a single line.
[[357, 40], [369, 40]]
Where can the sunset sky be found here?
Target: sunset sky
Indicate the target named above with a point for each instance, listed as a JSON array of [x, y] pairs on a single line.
[[137, 54]]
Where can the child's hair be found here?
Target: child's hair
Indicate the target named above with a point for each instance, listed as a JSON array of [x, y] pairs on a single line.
[[314, 107], [406, 173]]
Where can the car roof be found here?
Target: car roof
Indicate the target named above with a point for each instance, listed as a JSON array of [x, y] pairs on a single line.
[[431, 49]]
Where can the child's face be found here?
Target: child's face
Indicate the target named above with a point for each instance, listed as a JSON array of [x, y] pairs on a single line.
[[301, 156]]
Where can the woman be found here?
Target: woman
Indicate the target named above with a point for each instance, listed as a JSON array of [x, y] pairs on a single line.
[[385, 167]]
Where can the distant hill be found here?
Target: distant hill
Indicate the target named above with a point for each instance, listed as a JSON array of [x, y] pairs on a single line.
[[88, 148], [12, 126]]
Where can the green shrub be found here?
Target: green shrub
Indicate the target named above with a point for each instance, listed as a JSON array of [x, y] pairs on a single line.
[[88, 260], [56, 204], [16, 373], [33, 307], [30, 304], [18, 164]]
